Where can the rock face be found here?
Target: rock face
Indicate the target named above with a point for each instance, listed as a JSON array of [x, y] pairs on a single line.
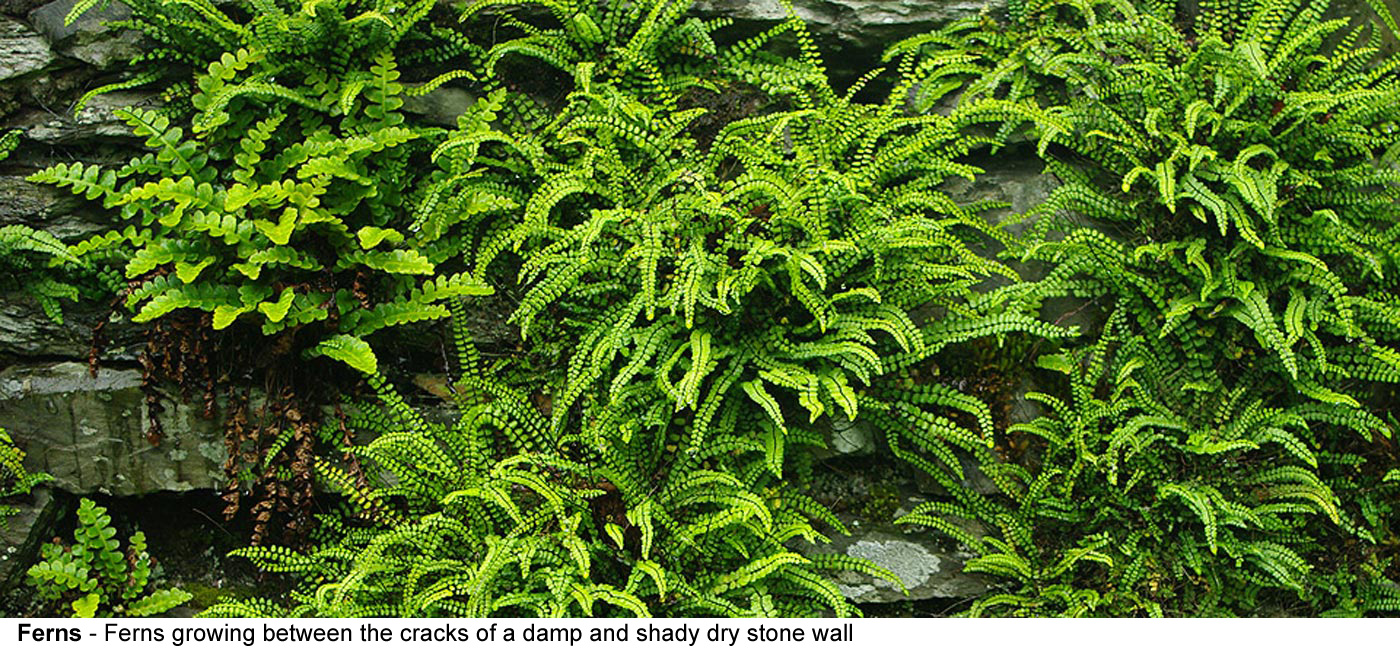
[[926, 570], [861, 25], [25, 531], [27, 332], [930, 566], [87, 39], [1016, 179], [89, 433], [22, 50]]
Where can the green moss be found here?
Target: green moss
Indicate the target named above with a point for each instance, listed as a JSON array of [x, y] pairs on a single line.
[[882, 503]]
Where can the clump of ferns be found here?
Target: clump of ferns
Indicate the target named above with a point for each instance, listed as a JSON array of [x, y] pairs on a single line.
[[274, 197], [1137, 507], [1229, 188], [651, 48], [1233, 182], [492, 515], [794, 287]]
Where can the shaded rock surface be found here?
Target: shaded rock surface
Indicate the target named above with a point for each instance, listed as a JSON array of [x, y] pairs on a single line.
[[97, 121], [87, 38], [46, 208], [22, 50], [24, 532], [90, 433], [929, 565], [441, 106], [1015, 179], [863, 25], [27, 332], [867, 493]]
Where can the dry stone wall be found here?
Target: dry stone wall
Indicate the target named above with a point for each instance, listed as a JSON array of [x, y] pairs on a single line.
[[88, 430]]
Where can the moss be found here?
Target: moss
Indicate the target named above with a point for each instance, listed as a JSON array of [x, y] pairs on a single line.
[[882, 503]]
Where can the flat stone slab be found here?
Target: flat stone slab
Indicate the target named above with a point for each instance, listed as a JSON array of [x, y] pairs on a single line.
[[860, 24], [89, 433], [22, 50], [88, 39], [929, 564], [926, 570], [97, 121]]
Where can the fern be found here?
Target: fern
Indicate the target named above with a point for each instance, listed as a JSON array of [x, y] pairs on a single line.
[[491, 522], [93, 572], [35, 262]]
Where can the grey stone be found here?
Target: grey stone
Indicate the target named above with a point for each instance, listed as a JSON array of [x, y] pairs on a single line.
[[859, 24], [1072, 311], [24, 532], [1021, 409], [18, 8], [88, 39], [929, 567], [441, 106], [22, 51], [926, 571], [848, 437], [973, 478], [89, 433], [1014, 177], [27, 332], [48, 208], [96, 121]]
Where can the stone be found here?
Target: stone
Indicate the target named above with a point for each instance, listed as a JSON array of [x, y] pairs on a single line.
[[1014, 177], [844, 438], [929, 566], [26, 332], [89, 433], [18, 8], [22, 50], [88, 39], [1021, 409], [441, 106], [24, 532], [48, 208], [848, 437], [97, 120], [926, 570], [850, 31]]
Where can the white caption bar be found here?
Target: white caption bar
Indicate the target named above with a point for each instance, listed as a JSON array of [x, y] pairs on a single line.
[[706, 634]]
